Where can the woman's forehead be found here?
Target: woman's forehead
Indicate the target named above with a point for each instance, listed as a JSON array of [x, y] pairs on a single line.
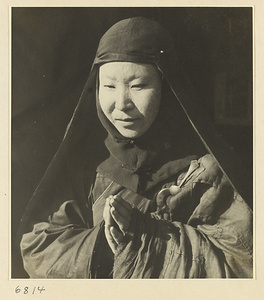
[[127, 69]]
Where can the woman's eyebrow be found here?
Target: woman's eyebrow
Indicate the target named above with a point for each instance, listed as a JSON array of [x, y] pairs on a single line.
[[109, 77], [134, 77], [130, 78]]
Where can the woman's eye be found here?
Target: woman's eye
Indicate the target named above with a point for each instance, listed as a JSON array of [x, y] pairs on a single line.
[[138, 86], [109, 86]]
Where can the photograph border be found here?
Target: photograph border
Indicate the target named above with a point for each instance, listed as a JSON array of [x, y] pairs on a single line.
[[118, 289]]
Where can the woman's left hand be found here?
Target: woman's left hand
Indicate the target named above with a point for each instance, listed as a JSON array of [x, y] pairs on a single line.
[[117, 216]]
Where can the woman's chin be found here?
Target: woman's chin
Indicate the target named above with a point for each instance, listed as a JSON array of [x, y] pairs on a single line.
[[130, 133]]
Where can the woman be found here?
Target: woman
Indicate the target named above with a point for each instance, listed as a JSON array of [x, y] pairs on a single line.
[[151, 202]]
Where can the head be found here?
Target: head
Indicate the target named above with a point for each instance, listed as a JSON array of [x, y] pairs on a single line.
[[128, 58], [130, 96]]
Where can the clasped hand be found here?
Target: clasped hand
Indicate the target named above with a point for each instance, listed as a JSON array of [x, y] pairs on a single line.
[[117, 217]]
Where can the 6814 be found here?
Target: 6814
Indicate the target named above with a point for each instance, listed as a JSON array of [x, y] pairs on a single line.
[[29, 290]]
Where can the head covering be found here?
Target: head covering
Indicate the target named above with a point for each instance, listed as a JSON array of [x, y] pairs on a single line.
[[179, 128]]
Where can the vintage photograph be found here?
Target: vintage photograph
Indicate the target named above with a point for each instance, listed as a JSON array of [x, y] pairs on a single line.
[[132, 142]]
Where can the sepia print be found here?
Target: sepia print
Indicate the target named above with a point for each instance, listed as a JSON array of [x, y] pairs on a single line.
[[132, 142]]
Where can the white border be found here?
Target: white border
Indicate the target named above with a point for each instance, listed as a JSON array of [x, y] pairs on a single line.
[[134, 289]]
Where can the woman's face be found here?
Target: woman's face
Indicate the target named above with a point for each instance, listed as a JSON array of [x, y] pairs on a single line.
[[129, 95]]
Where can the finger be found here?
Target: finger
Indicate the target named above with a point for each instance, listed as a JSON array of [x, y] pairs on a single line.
[[122, 222], [117, 236], [121, 210], [121, 201], [111, 241], [107, 214], [123, 207]]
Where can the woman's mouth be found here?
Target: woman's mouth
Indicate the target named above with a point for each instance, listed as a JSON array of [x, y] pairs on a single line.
[[126, 121]]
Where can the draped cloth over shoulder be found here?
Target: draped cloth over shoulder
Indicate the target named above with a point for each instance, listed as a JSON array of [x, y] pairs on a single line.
[[82, 151]]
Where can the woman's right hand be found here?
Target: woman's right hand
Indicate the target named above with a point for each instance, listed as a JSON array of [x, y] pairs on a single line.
[[117, 216]]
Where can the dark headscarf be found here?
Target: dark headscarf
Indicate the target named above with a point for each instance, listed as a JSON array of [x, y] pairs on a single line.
[[179, 130]]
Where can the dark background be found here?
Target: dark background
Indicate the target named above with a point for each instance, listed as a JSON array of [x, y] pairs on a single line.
[[52, 53]]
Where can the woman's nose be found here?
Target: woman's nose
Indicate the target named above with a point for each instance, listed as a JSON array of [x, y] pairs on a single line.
[[123, 99]]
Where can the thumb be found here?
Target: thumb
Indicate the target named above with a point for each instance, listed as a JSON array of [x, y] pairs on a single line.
[[117, 235]]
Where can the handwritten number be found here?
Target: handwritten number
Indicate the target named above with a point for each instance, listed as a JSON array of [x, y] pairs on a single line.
[[41, 289], [26, 290]]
